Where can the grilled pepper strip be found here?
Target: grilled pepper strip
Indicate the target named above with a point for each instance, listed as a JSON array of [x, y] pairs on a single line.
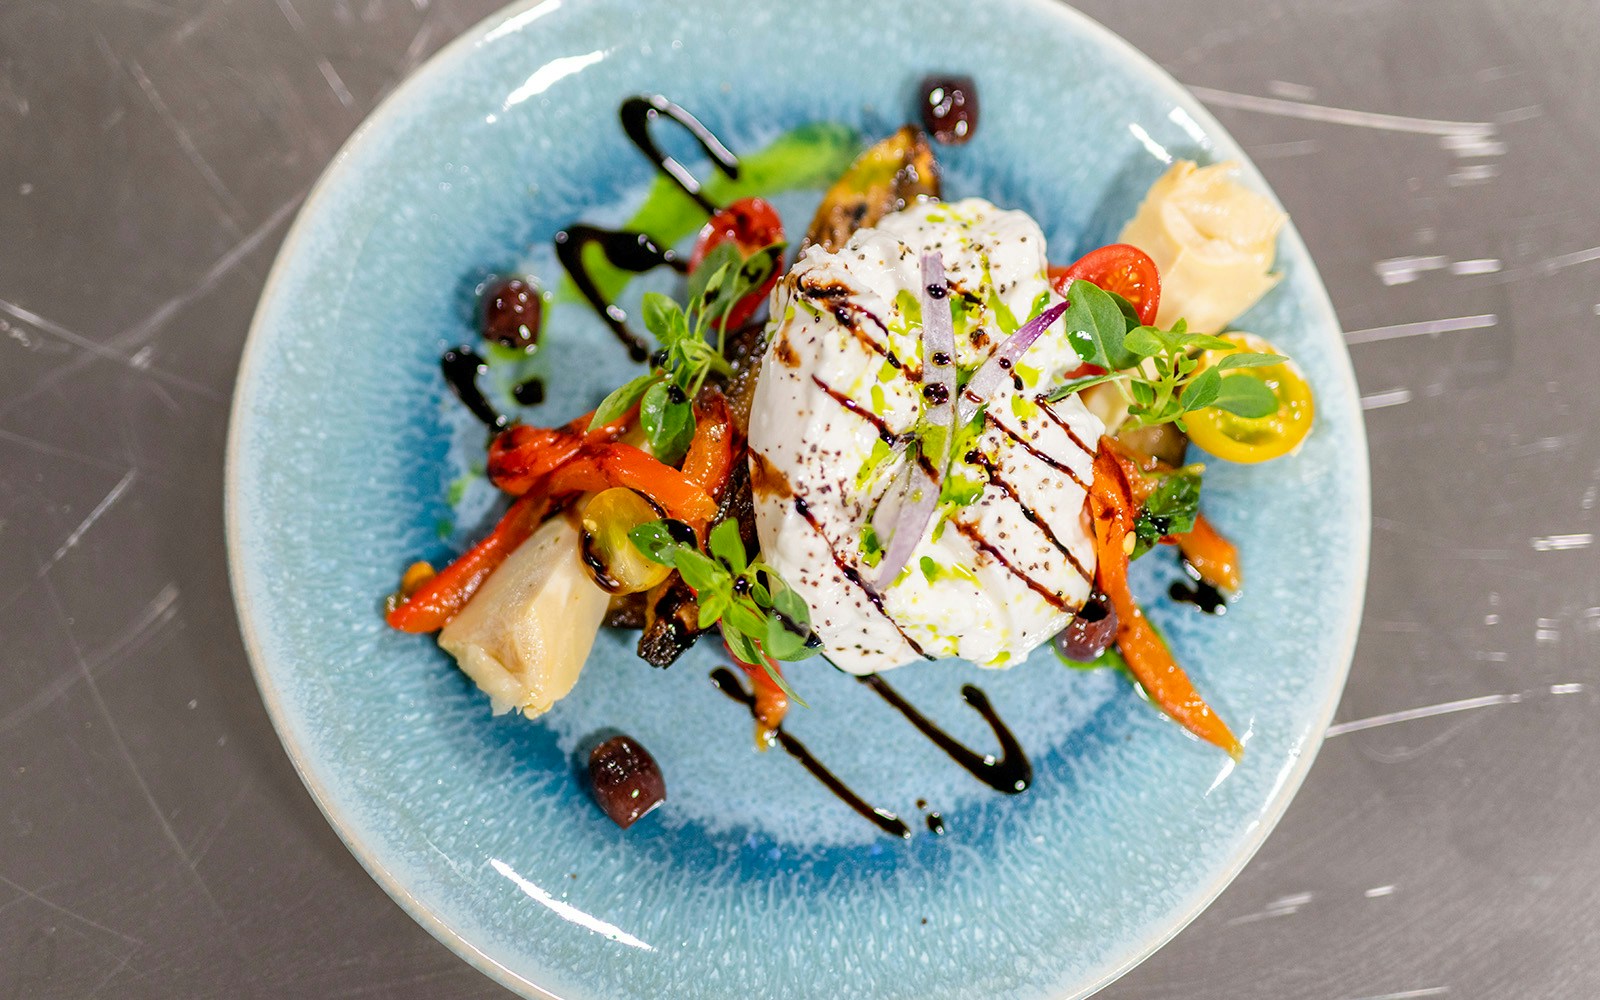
[[616, 464], [439, 600], [1111, 503], [710, 457], [771, 704], [1212, 556], [521, 456]]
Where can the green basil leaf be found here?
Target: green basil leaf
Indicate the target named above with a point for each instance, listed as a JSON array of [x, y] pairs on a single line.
[[663, 318], [652, 405], [791, 606], [1245, 396], [657, 544], [1203, 342], [1096, 327], [670, 440], [707, 280], [783, 685], [1130, 315], [726, 545], [700, 572], [782, 644], [1202, 391], [622, 399], [1144, 341], [1066, 389], [712, 607], [1143, 392], [746, 618], [743, 648], [1250, 360]]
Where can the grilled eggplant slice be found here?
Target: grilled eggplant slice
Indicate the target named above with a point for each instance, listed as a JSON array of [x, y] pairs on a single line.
[[886, 178]]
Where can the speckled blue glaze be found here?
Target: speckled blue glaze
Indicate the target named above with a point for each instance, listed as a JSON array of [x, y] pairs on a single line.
[[751, 881]]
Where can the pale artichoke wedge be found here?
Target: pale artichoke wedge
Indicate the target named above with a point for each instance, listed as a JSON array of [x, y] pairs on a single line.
[[524, 636]]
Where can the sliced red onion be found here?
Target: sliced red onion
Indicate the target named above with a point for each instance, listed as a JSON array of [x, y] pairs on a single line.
[[997, 369], [917, 504], [938, 347], [921, 493]]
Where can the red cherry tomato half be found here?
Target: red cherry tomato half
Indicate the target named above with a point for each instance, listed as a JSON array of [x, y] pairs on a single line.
[[1119, 268], [751, 224]]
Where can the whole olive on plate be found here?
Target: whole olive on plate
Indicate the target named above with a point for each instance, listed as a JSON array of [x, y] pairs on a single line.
[[625, 780], [1090, 631]]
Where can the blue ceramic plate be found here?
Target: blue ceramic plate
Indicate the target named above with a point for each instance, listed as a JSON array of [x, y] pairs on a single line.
[[348, 460]]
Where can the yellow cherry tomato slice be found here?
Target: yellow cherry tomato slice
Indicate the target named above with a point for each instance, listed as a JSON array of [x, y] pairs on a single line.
[[1255, 439]]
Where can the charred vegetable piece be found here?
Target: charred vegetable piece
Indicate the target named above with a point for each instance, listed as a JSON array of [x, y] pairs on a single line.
[[886, 178], [625, 611], [1149, 660], [744, 349], [435, 603], [626, 781], [521, 457], [671, 622], [618, 464]]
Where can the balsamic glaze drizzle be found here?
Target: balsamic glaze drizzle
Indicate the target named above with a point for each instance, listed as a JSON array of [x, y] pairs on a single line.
[[529, 393], [888, 822], [1011, 773], [635, 252], [461, 367], [627, 250], [638, 112], [1199, 593]]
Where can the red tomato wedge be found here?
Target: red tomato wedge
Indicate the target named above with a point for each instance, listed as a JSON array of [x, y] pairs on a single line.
[[752, 224], [1119, 268]]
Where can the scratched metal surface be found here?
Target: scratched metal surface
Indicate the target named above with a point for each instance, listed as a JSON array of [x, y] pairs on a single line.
[[1437, 157]]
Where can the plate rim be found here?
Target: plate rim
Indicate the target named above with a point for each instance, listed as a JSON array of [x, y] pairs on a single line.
[[516, 16]]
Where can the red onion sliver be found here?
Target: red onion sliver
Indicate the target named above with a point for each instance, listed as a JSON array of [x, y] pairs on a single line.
[[998, 368], [917, 505], [938, 347], [921, 496]]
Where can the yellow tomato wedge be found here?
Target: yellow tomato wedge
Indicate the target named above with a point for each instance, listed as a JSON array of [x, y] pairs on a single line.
[[1255, 439]]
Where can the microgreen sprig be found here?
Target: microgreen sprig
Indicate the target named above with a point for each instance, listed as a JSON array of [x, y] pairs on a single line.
[[761, 616], [1158, 370], [665, 394]]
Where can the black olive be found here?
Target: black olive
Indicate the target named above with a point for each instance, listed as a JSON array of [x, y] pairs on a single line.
[[511, 311], [1090, 631], [625, 780], [950, 108]]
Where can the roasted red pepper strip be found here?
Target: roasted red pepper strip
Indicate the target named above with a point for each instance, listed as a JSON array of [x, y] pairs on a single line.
[[439, 600], [1112, 505], [771, 703], [1213, 556], [521, 456], [709, 460], [597, 468]]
